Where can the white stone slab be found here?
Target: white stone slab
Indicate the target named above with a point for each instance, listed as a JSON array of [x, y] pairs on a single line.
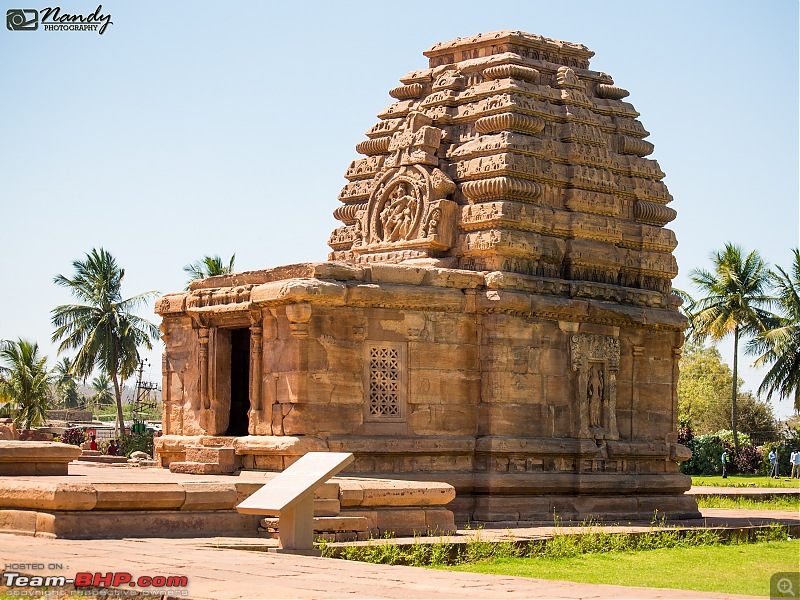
[[290, 487]]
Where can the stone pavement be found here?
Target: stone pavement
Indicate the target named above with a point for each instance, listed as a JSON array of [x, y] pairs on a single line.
[[216, 573], [222, 572]]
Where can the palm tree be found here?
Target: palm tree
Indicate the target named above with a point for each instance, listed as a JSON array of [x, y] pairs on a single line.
[[734, 303], [103, 329], [780, 344], [103, 394], [64, 383], [209, 266], [26, 381]]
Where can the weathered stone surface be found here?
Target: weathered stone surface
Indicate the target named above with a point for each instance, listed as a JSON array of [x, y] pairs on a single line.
[[8, 430], [36, 458], [170, 524], [19, 522], [24, 493], [208, 496], [144, 496]]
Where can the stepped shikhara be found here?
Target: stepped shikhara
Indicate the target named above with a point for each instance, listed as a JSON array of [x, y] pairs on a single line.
[[496, 312], [508, 154]]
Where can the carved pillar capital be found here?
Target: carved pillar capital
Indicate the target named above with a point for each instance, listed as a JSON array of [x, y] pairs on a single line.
[[299, 315]]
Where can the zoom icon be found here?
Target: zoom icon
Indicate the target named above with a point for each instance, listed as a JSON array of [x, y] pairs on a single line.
[[22, 19]]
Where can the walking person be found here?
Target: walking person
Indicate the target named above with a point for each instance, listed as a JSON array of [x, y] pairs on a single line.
[[773, 464], [796, 465], [724, 459]]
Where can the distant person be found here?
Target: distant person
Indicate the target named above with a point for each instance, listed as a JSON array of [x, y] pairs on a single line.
[[796, 465], [113, 448], [724, 459], [773, 463], [93, 443]]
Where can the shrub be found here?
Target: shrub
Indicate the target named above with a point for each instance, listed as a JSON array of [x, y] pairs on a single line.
[[749, 460], [726, 435], [706, 453], [74, 436], [142, 442]]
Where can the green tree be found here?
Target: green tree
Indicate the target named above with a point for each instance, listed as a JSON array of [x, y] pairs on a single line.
[[64, 383], [704, 397], [103, 329], [208, 266], [780, 344], [25, 381], [704, 384], [103, 392], [735, 303]]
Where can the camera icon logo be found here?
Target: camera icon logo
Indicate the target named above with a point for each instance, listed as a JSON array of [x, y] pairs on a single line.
[[22, 19]]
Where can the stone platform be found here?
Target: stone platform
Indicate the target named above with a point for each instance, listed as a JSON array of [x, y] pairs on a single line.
[[35, 458], [105, 501]]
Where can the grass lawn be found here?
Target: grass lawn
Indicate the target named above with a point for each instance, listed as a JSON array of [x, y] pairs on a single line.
[[774, 503], [733, 569], [745, 481]]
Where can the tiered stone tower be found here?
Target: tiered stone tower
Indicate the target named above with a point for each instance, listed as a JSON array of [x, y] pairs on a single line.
[[496, 312], [508, 154]]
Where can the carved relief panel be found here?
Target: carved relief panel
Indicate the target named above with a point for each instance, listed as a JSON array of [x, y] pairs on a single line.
[[595, 360], [407, 209]]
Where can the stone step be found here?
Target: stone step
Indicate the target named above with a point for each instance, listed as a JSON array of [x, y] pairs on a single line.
[[325, 524], [207, 460], [197, 468], [331, 529]]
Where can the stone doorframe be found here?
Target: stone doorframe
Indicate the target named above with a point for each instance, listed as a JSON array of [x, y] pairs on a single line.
[[212, 420]]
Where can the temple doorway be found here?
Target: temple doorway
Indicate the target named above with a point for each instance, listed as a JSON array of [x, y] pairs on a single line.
[[240, 383]]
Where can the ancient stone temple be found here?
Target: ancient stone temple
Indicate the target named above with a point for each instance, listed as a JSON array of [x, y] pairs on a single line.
[[496, 311]]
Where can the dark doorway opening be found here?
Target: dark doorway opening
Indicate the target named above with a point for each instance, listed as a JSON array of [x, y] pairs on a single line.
[[240, 382]]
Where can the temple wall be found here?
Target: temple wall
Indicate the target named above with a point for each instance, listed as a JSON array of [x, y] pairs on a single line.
[[459, 376]]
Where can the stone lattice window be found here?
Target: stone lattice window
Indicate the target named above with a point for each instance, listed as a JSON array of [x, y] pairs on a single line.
[[385, 375]]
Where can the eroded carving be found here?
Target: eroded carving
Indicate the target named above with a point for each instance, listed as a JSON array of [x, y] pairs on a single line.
[[595, 360]]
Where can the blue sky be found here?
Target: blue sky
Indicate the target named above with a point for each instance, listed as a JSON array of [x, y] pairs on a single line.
[[192, 128]]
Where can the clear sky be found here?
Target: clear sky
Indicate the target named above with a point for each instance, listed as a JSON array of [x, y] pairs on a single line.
[[193, 128]]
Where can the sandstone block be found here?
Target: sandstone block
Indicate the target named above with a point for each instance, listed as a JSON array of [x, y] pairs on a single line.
[[326, 508], [209, 496], [144, 496], [453, 419], [46, 495], [19, 522]]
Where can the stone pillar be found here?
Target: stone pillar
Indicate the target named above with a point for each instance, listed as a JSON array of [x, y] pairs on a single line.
[[205, 401], [166, 391], [638, 351], [676, 358], [256, 375]]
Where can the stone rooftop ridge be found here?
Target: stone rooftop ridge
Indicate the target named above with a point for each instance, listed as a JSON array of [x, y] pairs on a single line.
[[508, 154], [497, 38]]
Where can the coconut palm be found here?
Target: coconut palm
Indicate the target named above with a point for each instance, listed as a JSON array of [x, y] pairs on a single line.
[[103, 392], [780, 344], [25, 381], [64, 383], [103, 330], [735, 302], [209, 266]]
